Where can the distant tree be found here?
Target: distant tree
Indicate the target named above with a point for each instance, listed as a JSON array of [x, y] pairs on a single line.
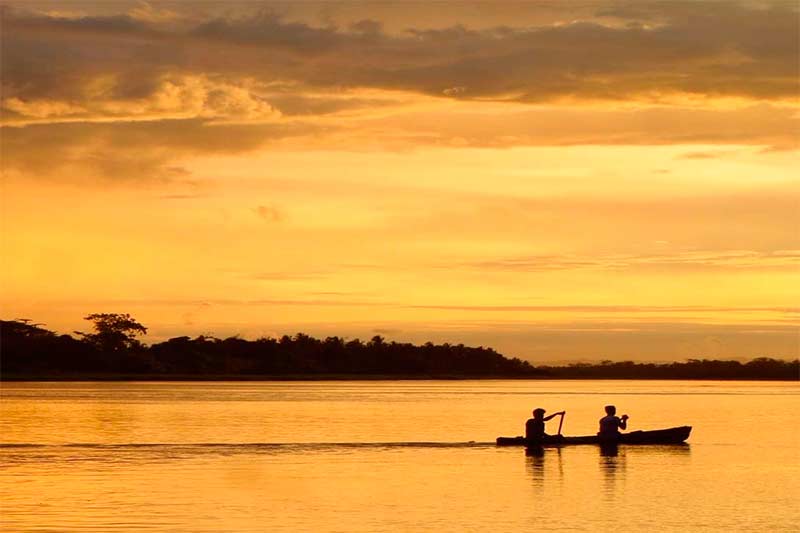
[[113, 332], [377, 340], [26, 347], [24, 328]]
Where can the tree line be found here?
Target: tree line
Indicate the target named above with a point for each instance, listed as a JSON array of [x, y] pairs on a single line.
[[112, 351]]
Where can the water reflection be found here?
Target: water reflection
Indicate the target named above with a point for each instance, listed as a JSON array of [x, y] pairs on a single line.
[[609, 450], [535, 459], [613, 465], [613, 461]]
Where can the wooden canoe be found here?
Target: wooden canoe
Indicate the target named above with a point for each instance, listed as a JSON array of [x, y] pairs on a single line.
[[658, 436]]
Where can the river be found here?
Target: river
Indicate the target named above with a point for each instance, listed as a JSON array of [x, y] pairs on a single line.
[[392, 456]]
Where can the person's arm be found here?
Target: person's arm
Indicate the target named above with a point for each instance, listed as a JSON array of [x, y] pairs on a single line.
[[554, 415]]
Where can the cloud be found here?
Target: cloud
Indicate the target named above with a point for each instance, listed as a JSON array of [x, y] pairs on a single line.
[[42, 108], [731, 260], [269, 213], [360, 86], [172, 97], [738, 51], [145, 138], [143, 151], [387, 331], [288, 276], [291, 101], [181, 196], [698, 228], [146, 12], [577, 310], [455, 91], [610, 309], [706, 155], [520, 125]]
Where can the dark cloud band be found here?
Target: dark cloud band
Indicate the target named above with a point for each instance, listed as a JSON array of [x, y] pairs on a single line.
[[664, 49]]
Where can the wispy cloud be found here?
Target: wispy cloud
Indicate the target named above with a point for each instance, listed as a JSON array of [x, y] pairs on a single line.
[[727, 260], [706, 155], [612, 309], [576, 309], [269, 213], [141, 151]]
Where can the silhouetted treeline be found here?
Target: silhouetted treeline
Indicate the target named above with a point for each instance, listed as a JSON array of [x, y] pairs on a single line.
[[29, 351], [762, 368]]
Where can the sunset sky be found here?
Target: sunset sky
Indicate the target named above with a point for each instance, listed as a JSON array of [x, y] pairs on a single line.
[[558, 180]]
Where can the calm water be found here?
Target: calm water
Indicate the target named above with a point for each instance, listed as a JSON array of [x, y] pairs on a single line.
[[392, 456]]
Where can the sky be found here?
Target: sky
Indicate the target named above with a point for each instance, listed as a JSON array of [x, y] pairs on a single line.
[[562, 181]]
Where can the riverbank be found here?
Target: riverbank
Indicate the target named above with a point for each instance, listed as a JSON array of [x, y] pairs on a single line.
[[342, 377]]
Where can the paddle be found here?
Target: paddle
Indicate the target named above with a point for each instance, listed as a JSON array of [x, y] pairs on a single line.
[[561, 422]]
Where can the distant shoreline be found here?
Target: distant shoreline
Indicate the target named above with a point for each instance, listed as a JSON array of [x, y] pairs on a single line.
[[112, 353], [344, 377]]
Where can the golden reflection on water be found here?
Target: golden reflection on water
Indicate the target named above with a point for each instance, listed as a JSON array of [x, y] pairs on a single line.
[[537, 461], [392, 456], [612, 466]]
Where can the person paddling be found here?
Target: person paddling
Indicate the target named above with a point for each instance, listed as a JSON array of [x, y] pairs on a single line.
[[611, 424], [534, 427]]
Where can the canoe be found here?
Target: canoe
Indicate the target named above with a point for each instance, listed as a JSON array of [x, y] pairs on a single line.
[[658, 436]]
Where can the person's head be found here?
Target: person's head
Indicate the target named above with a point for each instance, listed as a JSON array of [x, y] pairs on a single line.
[[611, 410], [538, 413]]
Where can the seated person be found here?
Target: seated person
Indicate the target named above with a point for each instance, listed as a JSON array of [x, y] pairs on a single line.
[[611, 423], [534, 427]]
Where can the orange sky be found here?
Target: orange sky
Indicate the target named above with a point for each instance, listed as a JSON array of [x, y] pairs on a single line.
[[561, 181]]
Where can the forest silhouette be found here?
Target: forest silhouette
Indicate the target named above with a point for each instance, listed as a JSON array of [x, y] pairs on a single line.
[[112, 351]]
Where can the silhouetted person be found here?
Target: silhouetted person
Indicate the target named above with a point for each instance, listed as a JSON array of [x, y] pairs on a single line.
[[534, 427], [611, 424]]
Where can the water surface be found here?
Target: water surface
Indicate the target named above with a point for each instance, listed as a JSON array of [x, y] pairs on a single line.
[[391, 456]]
